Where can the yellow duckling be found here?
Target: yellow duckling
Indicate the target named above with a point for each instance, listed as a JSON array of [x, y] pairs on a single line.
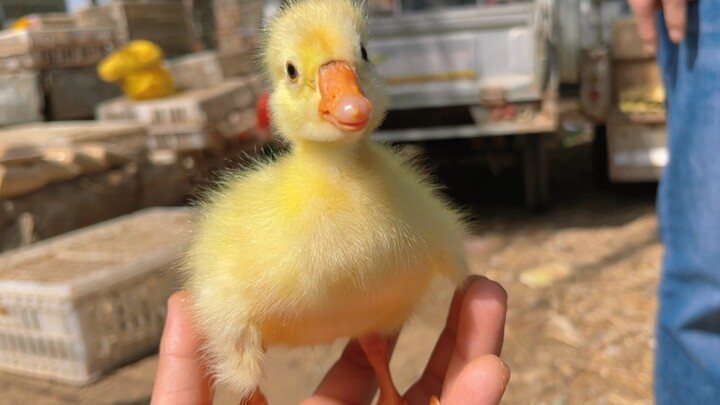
[[341, 237], [138, 67]]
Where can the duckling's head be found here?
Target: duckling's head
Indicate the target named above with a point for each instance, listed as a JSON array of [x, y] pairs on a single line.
[[323, 87]]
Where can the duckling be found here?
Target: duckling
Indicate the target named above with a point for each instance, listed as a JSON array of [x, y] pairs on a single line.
[[341, 237], [138, 68]]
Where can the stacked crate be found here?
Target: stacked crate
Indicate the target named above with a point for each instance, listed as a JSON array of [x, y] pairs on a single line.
[[164, 22], [636, 134], [61, 61], [36, 155], [198, 119], [195, 127], [196, 71], [76, 306], [237, 23]]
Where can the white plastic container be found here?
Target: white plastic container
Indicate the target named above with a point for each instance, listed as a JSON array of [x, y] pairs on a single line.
[[196, 71], [54, 48], [21, 98], [78, 305], [199, 106]]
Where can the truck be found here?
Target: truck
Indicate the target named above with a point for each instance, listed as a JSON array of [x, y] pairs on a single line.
[[470, 69]]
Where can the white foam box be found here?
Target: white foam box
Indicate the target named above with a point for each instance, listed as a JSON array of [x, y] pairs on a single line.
[[75, 306], [21, 98]]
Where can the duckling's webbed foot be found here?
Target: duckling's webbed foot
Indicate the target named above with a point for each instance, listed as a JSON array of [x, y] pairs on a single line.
[[377, 350], [257, 398]]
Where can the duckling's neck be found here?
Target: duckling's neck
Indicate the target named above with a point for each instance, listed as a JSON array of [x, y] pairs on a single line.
[[334, 155]]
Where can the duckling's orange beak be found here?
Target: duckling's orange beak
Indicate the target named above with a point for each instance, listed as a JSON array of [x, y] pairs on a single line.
[[342, 103]]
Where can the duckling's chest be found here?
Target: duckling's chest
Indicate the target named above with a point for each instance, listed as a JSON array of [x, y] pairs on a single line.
[[332, 195]]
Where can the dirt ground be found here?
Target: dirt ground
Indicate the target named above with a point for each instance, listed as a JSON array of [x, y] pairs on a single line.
[[581, 279]]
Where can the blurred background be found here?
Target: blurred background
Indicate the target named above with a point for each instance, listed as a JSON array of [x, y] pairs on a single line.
[[543, 119]]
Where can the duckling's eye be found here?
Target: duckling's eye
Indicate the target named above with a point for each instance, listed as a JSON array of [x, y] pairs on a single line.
[[363, 52], [292, 72]]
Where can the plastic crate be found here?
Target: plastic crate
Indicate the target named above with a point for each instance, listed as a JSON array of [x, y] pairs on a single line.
[[196, 71], [238, 63], [21, 98], [126, 138], [163, 22], [201, 106], [78, 305], [50, 21], [54, 48], [72, 94], [183, 138]]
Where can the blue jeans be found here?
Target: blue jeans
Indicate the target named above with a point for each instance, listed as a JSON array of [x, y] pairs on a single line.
[[688, 334]]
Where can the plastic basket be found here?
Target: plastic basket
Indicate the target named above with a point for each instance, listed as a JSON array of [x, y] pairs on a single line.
[[184, 138], [21, 98], [163, 22], [196, 71], [201, 106], [75, 306], [54, 48], [127, 138]]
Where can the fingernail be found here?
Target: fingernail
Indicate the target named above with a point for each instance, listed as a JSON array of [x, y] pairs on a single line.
[[650, 48], [676, 35]]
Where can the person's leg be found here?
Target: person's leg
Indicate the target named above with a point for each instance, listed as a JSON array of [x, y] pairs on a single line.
[[688, 332]]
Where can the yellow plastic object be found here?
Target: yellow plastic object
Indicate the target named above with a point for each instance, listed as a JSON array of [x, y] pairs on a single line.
[[138, 54], [139, 68], [148, 84], [21, 24]]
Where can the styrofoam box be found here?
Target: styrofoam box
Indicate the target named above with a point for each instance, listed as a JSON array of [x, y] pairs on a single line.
[[199, 106], [21, 98], [75, 306]]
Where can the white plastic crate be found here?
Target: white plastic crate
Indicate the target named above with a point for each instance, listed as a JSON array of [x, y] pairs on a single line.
[[163, 22], [75, 306], [199, 106], [21, 98], [54, 48], [196, 71], [44, 21], [126, 138], [238, 63], [183, 138]]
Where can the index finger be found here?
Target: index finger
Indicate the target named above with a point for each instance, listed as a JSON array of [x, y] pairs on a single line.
[[644, 11], [182, 378]]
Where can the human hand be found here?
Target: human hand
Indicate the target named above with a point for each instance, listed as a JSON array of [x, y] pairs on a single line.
[[464, 367], [675, 19]]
